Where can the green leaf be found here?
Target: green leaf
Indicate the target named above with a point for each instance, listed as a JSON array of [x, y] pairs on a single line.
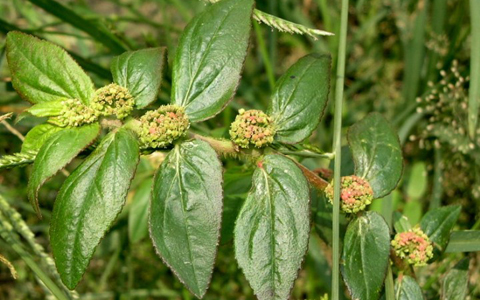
[[400, 222], [141, 73], [366, 251], [186, 212], [42, 71], [46, 109], [377, 153], [437, 223], [406, 288], [237, 183], [37, 136], [138, 214], [455, 282], [300, 97], [272, 229], [210, 57], [89, 201], [55, 154], [464, 241]]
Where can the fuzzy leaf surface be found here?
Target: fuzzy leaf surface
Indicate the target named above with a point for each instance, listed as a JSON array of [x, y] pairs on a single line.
[[272, 229], [141, 73], [42, 71], [55, 154], [186, 213], [366, 251], [377, 153], [89, 201], [210, 57], [300, 97]]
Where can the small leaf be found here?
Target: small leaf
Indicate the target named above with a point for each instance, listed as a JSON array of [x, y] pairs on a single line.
[[46, 109], [186, 212], [272, 229], [138, 214], [455, 283], [406, 288], [377, 153], [141, 73], [89, 201], [437, 223], [42, 71], [37, 136], [210, 57], [366, 251], [55, 154], [400, 222], [300, 97], [464, 241]]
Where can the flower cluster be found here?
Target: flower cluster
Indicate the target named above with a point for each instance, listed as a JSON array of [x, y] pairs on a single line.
[[159, 128], [252, 127], [355, 194], [113, 100], [413, 245], [74, 113]]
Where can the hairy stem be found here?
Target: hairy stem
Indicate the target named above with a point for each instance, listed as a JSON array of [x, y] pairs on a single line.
[[337, 147]]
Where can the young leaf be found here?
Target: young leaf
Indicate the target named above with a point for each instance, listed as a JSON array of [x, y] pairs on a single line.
[[138, 215], [272, 229], [455, 283], [55, 154], [400, 222], [46, 109], [141, 73], [300, 98], [406, 288], [377, 153], [366, 251], [464, 241], [437, 223], [89, 201], [186, 212], [210, 57], [38, 135], [42, 71]]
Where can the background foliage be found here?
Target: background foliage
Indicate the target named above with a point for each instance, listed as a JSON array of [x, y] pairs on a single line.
[[408, 60]]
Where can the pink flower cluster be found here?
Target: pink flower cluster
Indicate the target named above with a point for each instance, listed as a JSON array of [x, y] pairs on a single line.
[[355, 194], [414, 246]]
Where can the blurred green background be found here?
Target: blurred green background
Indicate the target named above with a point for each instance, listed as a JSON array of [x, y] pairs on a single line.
[[407, 59]]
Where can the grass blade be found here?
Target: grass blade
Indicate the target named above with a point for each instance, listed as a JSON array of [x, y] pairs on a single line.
[[474, 93]]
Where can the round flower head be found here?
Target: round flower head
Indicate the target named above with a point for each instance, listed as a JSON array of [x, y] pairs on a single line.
[[355, 194], [414, 246], [252, 127], [113, 100], [159, 128], [74, 113]]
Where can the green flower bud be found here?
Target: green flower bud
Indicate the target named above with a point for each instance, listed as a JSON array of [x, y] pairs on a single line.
[[113, 100], [355, 194], [74, 113], [159, 128], [252, 127], [414, 246]]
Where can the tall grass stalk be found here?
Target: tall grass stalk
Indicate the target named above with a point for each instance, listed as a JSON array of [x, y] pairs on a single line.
[[337, 148], [474, 92]]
